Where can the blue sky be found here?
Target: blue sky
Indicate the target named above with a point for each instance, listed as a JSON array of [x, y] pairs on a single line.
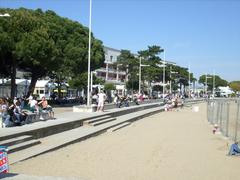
[[202, 33]]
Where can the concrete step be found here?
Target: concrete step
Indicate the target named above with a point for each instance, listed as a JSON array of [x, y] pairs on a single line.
[[120, 126], [16, 140], [66, 138], [102, 121], [96, 119], [23, 145]]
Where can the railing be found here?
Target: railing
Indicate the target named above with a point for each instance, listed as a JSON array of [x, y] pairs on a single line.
[[224, 115]]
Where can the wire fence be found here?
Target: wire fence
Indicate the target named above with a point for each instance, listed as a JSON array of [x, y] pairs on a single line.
[[224, 114]]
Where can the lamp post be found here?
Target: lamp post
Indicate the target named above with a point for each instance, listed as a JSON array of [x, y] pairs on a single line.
[[164, 62], [89, 51], [189, 81], [140, 71], [213, 90], [162, 66], [207, 77], [171, 72]]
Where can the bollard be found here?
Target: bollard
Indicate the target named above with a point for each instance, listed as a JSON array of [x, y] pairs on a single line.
[[4, 167]]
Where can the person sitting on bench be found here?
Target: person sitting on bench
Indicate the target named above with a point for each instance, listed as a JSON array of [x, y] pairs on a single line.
[[46, 107]]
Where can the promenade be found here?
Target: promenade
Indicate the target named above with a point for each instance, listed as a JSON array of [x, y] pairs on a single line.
[[169, 145]]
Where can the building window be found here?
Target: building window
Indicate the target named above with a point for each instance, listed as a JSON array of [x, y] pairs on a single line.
[[111, 58], [41, 91]]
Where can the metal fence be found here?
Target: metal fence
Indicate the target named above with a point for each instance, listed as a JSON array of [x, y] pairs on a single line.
[[224, 113]]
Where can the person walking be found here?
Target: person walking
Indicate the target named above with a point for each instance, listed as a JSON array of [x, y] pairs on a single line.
[[116, 100], [101, 100]]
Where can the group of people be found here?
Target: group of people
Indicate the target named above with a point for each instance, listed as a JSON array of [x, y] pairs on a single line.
[[120, 101], [14, 112], [173, 102], [100, 98]]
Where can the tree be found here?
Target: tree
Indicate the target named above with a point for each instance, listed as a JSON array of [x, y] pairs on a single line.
[[151, 57], [108, 88], [44, 43], [129, 63], [218, 81], [235, 86]]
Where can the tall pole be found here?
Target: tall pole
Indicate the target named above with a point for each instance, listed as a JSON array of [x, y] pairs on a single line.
[[91, 81], [213, 83], [170, 79], [89, 52], [139, 84], [206, 84], [164, 73], [189, 82]]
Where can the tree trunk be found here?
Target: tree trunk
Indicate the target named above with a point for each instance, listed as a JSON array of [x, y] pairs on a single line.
[[13, 79], [59, 90], [32, 85]]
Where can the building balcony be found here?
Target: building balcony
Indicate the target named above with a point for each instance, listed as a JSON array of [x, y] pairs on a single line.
[[110, 70]]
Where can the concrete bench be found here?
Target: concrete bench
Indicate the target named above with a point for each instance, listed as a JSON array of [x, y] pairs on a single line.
[[35, 117]]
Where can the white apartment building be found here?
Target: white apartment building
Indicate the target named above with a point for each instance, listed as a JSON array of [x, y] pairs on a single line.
[[110, 72]]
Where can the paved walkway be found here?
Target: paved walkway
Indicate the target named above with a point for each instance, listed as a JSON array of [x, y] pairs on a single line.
[[61, 118]]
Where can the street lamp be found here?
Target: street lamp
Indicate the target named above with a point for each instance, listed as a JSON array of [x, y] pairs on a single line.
[[189, 81], [171, 72], [213, 90], [164, 62], [140, 65], [163, 66], [206, 77], [89, 52]]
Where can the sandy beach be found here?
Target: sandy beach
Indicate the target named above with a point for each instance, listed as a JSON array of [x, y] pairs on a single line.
[[176, 145]]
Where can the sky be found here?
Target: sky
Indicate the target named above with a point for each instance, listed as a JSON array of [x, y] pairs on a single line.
[[202, 34]]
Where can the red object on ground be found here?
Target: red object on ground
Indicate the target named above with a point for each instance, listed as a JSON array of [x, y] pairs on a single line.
[[3, 161]]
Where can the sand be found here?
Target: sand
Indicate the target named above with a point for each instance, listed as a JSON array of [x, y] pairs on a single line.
[[177, 145]]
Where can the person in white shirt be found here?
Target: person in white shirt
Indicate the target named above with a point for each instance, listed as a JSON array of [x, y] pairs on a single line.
[[33, 104], [101, 100]]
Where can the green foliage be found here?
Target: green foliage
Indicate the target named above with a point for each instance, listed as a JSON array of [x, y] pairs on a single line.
[[235, 86], [151, 57], [132, 84], [127, 62], [44, 43], [79, 81], [109, 86], [210, 78]]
